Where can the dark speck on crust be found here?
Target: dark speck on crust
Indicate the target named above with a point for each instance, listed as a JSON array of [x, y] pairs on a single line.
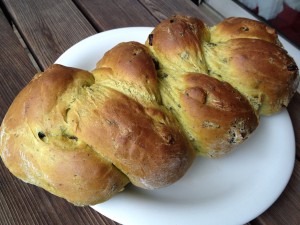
[[150, 39]]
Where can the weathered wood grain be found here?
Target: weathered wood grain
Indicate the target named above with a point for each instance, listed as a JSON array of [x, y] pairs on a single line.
[[126, 13], [15, 67], [22, 203], [48, 27], [164, 9], [294, 111], [140, 13]]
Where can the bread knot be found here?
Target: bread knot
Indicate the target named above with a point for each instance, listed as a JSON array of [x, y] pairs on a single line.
[[146, 110]]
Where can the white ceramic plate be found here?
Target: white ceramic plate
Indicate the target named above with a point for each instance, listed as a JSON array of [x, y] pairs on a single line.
[[232, 190]]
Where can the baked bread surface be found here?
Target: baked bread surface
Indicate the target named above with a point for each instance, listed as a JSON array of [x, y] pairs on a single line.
[[145, 111], [245, 53], [84, 141], [213, 114]]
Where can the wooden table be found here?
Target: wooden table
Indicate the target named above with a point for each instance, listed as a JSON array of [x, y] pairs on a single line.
[[48, 28]]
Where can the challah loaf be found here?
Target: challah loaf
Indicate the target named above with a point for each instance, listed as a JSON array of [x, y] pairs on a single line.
[[236, 27], [145, 111]]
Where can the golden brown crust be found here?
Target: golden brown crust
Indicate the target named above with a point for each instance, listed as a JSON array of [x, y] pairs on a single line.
[[177, 43], [39, 148], [144, 110], [143, 139], [236, 27], [130, 69], [252, 59], [215, 114], [84, 141], [144, 143], [240, 51], [210, 128], [262, 71]]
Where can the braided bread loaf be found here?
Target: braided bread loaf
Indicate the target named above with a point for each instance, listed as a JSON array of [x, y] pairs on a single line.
[[146, 111]]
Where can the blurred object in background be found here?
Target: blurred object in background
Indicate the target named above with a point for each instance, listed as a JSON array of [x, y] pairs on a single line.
[[294, 4], [283, 15], [267, 9]]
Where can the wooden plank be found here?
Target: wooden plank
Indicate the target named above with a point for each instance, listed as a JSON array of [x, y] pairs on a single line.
[[15, 66], [48, 209], [21, 203], [164, 9], [105, 15], [117, 14], [48, 27], [294, 111]]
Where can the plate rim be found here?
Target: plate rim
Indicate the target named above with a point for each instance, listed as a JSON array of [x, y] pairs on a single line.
[[111, 32]]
